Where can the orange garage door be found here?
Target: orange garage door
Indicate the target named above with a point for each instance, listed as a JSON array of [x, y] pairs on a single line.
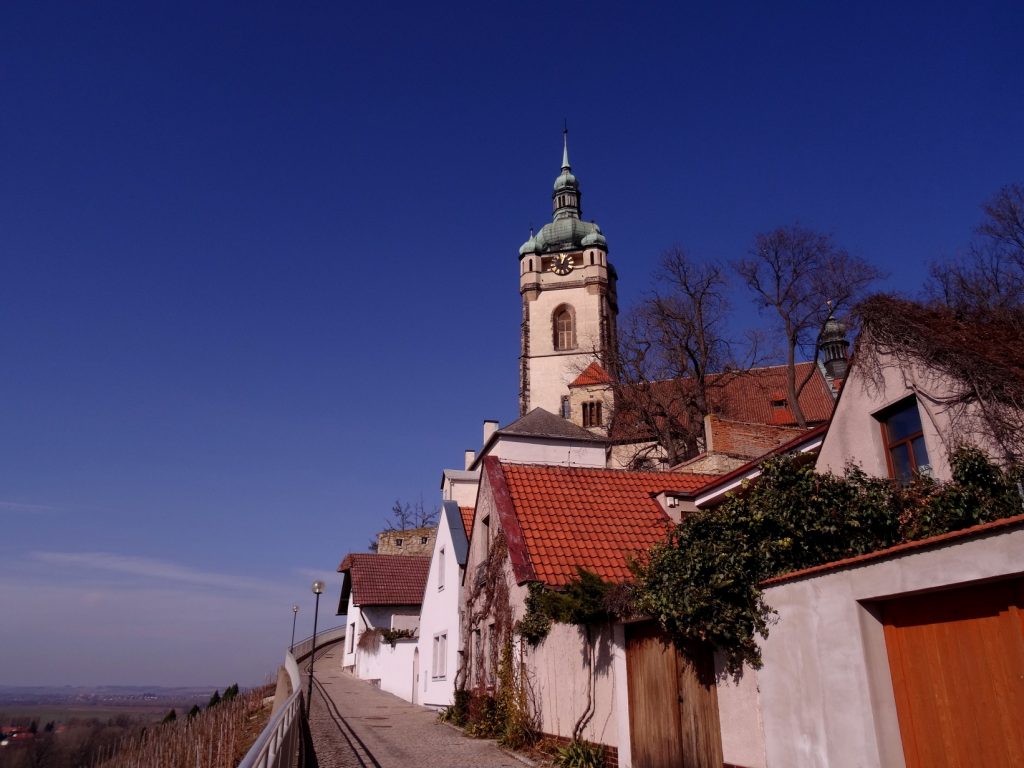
[[957, 664]]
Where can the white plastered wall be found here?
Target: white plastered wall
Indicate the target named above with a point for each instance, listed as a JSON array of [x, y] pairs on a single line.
[[739, 714], [826, 693], [556, 668], [855, 435], [559, 675], [538, 450], [440, 615]]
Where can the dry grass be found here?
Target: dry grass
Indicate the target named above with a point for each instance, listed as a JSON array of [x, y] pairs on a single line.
[[218, 737]]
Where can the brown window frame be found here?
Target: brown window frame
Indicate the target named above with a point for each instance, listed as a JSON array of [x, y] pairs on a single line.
[[592, 416], [905, 443]]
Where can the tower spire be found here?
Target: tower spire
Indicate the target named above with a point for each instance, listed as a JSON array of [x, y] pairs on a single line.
[[566, 197], [565, 148]]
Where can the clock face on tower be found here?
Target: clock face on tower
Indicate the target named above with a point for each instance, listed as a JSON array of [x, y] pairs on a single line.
[[561, 264]]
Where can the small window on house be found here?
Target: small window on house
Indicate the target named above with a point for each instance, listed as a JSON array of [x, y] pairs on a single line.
[[440, 655], [423, 539], [904, 440], [564, 328], [398, 542], [440, 569], [566, 408], [592, 414]]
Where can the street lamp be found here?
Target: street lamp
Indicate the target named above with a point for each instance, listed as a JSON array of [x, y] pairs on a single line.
[[318, 588], [295, 615]]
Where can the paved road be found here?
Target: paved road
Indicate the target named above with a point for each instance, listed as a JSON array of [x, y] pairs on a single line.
[[355, 725]]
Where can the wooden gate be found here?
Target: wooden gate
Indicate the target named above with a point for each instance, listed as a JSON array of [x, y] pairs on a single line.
[[673, 703], [957, 663]]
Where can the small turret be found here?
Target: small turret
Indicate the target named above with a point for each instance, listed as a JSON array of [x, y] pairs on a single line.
[[834, 347], [566, 197]]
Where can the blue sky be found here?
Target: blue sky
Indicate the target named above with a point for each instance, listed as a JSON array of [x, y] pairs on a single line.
[[259, 260]]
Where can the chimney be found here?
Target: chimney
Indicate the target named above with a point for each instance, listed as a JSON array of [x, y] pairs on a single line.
[[709, 433], [490, 427], [470, 456]]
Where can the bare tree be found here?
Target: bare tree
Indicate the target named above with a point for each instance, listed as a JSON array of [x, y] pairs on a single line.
[[794, 271], [668, 346], [991, 274], [979, 353], [408, 516]]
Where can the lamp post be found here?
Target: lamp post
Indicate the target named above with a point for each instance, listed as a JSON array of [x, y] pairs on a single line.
[[318, 588], [295, 615]]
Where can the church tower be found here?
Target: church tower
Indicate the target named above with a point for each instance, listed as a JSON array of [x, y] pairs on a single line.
[[567, 286]]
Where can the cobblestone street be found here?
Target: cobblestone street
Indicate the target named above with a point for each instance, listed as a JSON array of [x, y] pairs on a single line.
[[355, 725]]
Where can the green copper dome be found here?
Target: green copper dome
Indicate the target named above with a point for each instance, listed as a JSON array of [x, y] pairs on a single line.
[[566, 179], [530, 246], [567, 231], [566, 234], [595, 238]]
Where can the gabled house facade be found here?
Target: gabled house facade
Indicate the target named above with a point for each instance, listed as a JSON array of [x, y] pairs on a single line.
[[382, 593], [900, 412], [541, 437], [539, 524], [437, 653], [914, 655]]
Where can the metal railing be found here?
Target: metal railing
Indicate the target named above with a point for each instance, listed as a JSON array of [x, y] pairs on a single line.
[[282, 743]]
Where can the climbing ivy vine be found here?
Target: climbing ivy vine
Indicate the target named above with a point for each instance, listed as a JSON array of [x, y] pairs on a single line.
[[702, 584], [500, 705]]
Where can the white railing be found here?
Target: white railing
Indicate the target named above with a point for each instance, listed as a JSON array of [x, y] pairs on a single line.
[[323, 638], [280, 743]]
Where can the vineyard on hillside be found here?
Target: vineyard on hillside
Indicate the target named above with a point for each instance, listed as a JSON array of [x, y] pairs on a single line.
[[217, 737]]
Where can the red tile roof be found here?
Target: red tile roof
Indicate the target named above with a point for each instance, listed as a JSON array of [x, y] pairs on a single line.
[[592, 374], [384, 579], [467, 519], [746, 396], [588, 518]]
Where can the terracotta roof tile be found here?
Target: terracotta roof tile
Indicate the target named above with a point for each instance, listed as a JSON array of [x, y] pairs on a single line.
[[592, 374], [575, 517], [467, 519], [749, 396], [385, 579]]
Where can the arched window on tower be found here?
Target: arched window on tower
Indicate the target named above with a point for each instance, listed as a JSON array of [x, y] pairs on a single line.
[[564, 328]]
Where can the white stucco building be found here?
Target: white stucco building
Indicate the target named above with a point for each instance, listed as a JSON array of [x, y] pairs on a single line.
[[437, 652]]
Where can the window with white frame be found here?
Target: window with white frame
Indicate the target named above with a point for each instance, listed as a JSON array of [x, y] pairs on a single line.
[[440, 655]]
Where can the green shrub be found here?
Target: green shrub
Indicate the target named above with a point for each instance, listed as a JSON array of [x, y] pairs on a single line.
[[702, 584], [458, 712], [580, 754]]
